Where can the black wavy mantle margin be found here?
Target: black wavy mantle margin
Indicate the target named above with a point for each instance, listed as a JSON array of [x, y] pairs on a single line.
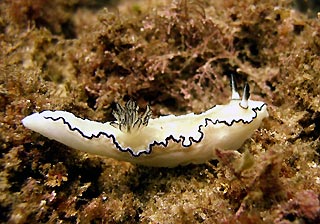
[[155, 143]]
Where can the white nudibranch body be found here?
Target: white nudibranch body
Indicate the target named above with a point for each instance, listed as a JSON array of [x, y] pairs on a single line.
[[167, 141]]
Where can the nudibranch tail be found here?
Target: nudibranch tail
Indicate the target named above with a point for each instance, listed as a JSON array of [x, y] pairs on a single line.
[[166, 141]]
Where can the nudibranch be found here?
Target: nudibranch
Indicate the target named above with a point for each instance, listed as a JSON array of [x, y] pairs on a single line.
[[166, 141]]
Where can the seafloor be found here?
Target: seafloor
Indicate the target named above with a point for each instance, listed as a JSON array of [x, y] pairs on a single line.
[[176, 56]]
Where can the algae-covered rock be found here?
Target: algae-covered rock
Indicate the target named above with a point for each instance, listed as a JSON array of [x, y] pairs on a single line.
[[177, 56]]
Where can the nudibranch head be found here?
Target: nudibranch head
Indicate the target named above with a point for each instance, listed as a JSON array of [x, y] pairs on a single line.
[[236, 96], [243, 109]]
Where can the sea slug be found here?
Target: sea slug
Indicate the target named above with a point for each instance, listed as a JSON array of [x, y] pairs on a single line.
[[166, 141]]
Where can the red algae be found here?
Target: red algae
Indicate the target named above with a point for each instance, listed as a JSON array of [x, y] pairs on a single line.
[[176, 56]]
